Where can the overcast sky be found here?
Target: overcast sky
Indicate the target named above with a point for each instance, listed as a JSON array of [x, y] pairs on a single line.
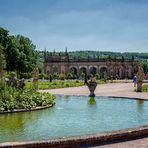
[[112, 25]]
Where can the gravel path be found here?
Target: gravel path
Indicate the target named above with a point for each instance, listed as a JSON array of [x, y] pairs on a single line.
[[110, 89]]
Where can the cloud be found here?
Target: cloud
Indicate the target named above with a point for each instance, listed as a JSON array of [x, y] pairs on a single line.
[[109, 25]]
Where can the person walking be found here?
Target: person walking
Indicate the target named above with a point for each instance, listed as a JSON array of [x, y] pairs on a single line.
[[135, 80]]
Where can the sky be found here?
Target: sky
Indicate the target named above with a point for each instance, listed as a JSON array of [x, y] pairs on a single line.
[[105, 25]]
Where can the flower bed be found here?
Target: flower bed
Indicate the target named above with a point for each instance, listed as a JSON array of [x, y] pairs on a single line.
[[12, 98]]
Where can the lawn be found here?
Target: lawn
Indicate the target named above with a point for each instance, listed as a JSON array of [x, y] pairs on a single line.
[[55, 84], [145, 88]]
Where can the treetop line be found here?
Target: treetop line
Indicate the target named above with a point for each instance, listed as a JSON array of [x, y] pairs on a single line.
[[62, 63], [65, 57]]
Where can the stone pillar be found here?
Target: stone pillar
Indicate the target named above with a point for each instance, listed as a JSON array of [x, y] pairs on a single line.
[[140, 76]]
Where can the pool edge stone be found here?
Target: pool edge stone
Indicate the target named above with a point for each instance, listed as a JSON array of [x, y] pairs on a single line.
[[88, 140], [27, 110]]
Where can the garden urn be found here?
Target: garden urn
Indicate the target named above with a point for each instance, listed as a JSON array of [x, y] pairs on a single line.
[[92, 84]]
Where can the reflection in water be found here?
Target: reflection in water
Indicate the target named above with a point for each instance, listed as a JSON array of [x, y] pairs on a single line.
[[92, 101], [12, 122], [18, 126], [140, 105]]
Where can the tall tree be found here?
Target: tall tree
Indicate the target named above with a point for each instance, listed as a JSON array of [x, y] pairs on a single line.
[[19, 52], [12, 54], [4, 37], [28, 55]]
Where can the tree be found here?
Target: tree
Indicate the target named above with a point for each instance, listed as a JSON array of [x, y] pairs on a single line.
[[145, 67], [12, 54], [4, 37], [28, 55], [18, 51]]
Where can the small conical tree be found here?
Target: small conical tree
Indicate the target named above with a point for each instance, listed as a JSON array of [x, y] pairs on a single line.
[[85, 79], [50, 78]]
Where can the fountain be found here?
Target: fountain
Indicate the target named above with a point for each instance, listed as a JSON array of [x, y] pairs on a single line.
[[77, 116]]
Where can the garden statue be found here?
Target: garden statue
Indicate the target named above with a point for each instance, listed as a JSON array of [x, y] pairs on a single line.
[[92, 84], [105, 77], [35, 77], [12, 80], [140, 77], [21, 84]]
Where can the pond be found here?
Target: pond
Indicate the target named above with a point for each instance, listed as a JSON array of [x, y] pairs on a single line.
[[74, 116]]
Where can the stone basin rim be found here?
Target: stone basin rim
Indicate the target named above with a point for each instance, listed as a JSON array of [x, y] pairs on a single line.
[[85, 140], [122, 97], [27, 110]]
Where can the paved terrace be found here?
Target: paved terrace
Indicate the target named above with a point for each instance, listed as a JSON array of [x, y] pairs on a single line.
[[110, 89]]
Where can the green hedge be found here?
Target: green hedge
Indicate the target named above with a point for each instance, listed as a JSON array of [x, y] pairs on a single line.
[[55, 84]]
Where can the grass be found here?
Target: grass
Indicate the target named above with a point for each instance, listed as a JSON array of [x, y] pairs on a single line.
[[145, 88], [55, 84], [64, 83]]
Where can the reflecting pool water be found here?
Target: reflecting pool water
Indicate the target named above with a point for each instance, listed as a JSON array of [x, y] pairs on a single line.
[[72, 116]]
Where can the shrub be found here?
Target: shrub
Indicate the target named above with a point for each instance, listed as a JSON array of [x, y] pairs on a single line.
[[61, 77], [41, 75], [25, 75], [54, 83], [55, 76], [82, 75], [69, 76], [97, 76], [46, 76], [77, 81], [12, 98], [67, 85]]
